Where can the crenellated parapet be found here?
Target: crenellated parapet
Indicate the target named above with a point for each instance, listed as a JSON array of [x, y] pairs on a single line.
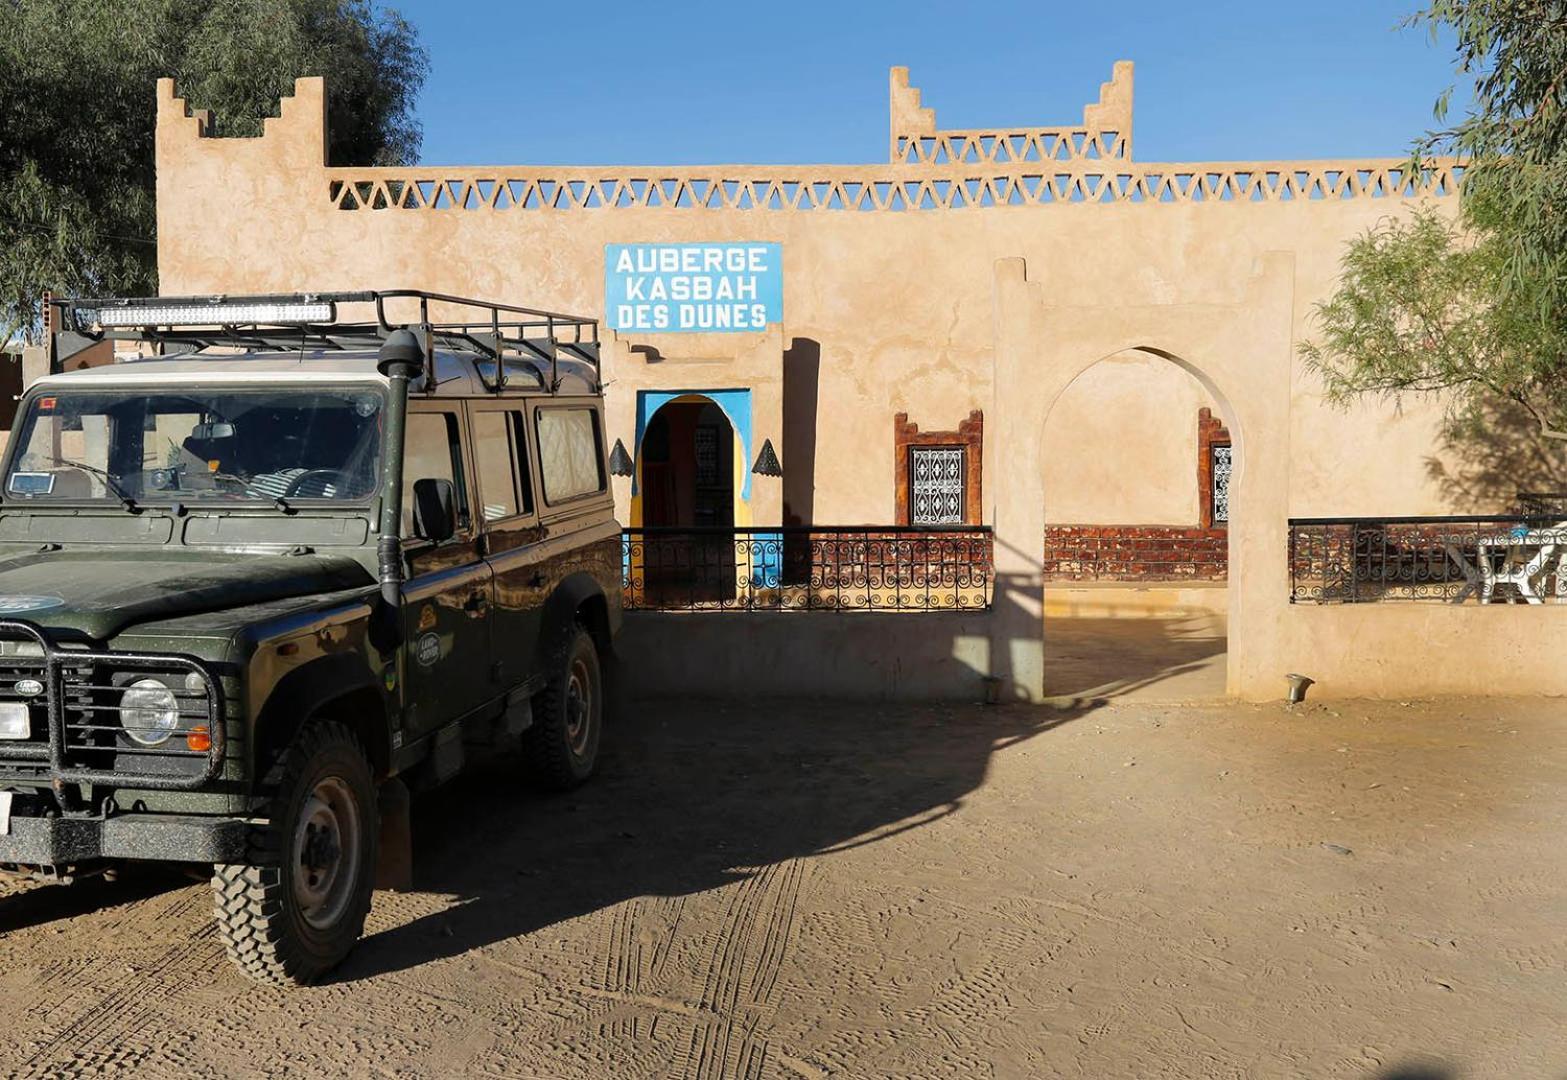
[[910, 119], [1104, 135], [932, 170], [299, 127]]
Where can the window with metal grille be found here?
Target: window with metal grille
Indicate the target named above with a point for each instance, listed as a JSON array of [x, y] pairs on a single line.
[[936, 479], [706, 454], [1222, 460]]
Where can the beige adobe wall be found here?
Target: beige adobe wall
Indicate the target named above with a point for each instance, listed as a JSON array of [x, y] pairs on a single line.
[[697, 363], [945, 286], [898, 300], [1147, 409]]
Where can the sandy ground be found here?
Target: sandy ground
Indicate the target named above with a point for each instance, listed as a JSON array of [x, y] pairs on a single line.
[[1130, 890], [1180, 657]]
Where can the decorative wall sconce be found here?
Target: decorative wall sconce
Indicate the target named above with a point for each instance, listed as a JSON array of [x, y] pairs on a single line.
[[619, 460], [767, 461]]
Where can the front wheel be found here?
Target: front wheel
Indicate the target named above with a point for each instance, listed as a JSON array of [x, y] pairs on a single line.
[[561, 748], [297, 910]]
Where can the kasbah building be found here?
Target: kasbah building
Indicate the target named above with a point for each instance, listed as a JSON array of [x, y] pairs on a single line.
[[1023, 328]]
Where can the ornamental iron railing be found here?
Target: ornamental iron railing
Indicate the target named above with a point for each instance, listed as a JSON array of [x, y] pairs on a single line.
[[1506, 558], [1135, 553], [815, 568]]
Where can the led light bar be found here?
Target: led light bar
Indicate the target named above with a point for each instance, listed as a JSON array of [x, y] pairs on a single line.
[[271, 313]]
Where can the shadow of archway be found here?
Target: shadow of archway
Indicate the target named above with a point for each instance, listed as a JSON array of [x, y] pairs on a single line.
[[1177, 658], [690, 798]]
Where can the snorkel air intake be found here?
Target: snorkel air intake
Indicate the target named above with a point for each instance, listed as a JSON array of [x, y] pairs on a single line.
[[401, 359]]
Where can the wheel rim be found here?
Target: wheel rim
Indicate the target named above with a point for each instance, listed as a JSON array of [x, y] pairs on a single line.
[[326, 853], [579, 707]]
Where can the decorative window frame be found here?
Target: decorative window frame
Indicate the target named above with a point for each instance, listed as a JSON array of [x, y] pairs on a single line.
[[970, 435], [1211, 432]]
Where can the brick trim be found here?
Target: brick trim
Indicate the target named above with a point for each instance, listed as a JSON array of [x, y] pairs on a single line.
[[1137, 553], [970, 435], [1211, 432]]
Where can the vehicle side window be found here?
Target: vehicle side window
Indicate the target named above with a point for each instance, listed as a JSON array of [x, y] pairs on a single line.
[[571, 458], [493, 460], [433, 451], [519, 440]]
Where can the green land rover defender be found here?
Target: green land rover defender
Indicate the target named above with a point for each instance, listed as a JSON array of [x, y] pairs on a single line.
[[270, 568]]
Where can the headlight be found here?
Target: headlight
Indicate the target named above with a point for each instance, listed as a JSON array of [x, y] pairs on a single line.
[[149, 712]]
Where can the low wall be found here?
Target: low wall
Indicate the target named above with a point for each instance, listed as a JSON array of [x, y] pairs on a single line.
[[1351, 650], [868, 656], [1128, 600], [1136, 553], [1429, 650]]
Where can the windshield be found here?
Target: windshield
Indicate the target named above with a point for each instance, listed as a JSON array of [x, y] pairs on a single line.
[[228, 445]]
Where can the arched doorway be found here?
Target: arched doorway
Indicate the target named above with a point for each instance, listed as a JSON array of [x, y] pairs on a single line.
[[686, 496], [1138, 463], [687, 464]]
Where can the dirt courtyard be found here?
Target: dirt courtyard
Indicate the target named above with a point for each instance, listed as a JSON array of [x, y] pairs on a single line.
[[782, 891]]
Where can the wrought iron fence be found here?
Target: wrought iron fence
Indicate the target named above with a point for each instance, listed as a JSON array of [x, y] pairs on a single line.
[[1135, 553], [818, 568], [1499, 559]]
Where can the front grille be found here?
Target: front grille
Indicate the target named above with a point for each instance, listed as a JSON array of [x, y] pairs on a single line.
[[81, 730]]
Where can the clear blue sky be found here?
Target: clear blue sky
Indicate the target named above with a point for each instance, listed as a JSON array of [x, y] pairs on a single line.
[[802, 81]]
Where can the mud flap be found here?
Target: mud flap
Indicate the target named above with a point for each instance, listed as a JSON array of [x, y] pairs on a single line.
[[395, 868]]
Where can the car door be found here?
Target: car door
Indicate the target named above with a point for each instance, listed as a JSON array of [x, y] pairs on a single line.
[[447, 597], [510, 536]]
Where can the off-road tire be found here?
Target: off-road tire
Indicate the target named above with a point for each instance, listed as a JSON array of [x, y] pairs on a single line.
[[260, 916], [557, 754]]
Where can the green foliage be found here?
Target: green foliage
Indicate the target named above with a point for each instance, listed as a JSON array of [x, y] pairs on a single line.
[[1475, 309], [77, 114], [1421, 307], [1515, 139]]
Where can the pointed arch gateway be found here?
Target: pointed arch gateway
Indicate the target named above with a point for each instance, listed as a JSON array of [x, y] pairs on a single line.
[[1239, 351], [1134, 564]]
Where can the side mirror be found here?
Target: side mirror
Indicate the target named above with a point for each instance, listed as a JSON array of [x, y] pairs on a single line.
[[435, 510]]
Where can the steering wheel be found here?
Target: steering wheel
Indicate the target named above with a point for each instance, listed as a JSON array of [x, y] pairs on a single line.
[[341, 482]]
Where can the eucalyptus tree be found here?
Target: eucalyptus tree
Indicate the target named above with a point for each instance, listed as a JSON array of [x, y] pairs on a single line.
[[1473, 309], [77, 118]]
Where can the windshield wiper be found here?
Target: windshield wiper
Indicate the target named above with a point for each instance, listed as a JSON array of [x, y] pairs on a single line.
[[110, 482]]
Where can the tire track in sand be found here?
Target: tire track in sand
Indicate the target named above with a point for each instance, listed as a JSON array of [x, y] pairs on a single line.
[[742, 976], [119, 1027]]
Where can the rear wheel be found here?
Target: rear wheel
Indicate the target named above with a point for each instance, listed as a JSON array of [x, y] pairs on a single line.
[[561, 748], [297, 909]]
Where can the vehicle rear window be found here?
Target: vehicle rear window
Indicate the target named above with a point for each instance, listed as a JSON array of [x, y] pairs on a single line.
[[571, 457]]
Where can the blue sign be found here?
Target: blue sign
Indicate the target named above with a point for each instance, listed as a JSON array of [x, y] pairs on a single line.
[[693, 288]]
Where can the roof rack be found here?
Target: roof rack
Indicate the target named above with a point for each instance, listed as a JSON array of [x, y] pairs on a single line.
[[303, 320]]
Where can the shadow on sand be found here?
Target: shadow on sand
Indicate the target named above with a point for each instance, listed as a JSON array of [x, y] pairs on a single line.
[[1417, 1072], [690, 796], [1096, 659]]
